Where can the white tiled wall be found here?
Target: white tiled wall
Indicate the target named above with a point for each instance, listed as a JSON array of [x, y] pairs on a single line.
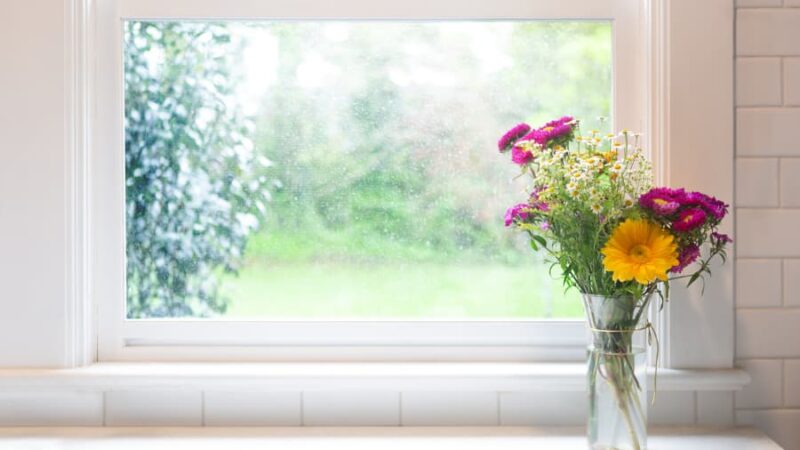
[[155, 407], [451, 408], [43, 408], [343, 408], [187, 407], [768, 214], [249, 408]]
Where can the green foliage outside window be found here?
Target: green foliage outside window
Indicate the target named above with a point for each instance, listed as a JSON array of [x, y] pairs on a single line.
[[195, 188]]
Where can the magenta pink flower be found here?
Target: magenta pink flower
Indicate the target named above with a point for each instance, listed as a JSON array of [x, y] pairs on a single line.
[[717, 208], [692, 198], [555, 129], [521, 156], [711, 205], [512, 136], [561, 121], [548, 133], [689, 220], [539, 136], [519, 211], [662, 201], [687, 256]]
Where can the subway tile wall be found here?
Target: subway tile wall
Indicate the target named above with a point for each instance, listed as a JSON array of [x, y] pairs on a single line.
[[194, 408], [768, 216]]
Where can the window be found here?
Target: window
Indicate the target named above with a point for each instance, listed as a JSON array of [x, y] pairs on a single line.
[[343, 169], [299, 187]]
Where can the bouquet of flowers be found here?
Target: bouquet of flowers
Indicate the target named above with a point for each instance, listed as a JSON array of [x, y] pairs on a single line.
[[591, 206]]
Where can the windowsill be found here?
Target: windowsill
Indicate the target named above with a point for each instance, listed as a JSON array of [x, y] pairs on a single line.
[[354, 376], [375, 437]]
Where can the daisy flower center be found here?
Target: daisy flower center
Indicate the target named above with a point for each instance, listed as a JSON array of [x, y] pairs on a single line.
[[640, 253]]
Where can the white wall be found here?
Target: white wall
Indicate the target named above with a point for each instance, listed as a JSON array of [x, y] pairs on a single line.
[[768, 207], [32, 170]]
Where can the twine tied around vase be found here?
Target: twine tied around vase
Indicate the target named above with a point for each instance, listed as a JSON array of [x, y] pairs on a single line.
[[651, 336]]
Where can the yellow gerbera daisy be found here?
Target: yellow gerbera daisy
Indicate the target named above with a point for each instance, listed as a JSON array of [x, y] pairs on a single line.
[[639, 250]]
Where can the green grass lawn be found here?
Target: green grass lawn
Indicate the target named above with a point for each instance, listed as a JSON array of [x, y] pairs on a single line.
[[394, 290]]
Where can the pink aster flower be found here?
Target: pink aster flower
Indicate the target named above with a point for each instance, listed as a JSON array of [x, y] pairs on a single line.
[[544, 226], [549, 133], [560, 121], [689, 220], [661, 201], [687, 256], [512, 136], [552, 130], [691, 198], [711, 205], [521, 156], [519, 211], [536, 135], [717, 208]]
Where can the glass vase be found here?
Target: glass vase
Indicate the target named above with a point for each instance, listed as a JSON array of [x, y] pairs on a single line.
[[616, 377]]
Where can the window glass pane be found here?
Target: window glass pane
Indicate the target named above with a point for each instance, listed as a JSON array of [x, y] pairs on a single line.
[[343, 169]]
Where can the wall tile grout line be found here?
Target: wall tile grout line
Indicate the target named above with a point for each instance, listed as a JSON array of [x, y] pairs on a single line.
[[768, 308], [302, 408], [203, 408], [772, 408], [771, 208], [781, 278], [768, 157], [760, 258], [769, 107], [771, 55], [499, 419], [767, 358], [780, 199], [742, 57], [400, 409], [783, 382], [765, 8], [782, 82]]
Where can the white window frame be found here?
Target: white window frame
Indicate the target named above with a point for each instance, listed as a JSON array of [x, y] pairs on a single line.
[[120, 339]]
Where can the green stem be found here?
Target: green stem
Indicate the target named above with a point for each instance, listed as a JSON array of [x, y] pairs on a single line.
[[620, 392]]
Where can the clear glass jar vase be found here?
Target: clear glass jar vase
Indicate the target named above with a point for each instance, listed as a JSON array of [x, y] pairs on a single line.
[[616, 372]]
